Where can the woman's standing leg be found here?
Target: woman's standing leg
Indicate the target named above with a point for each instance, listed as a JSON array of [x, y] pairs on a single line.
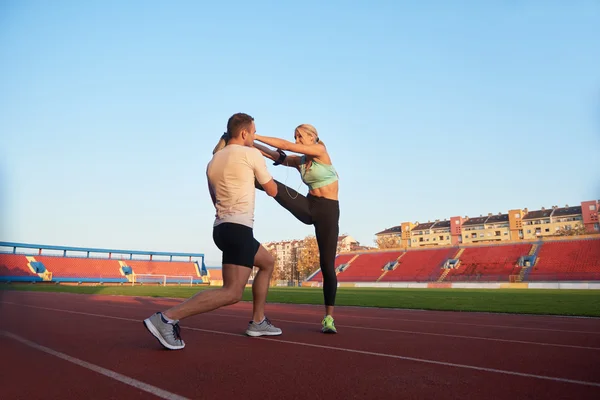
[[326, 214]]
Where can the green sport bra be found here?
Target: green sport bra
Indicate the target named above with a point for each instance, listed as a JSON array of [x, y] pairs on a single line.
[[318, 175]]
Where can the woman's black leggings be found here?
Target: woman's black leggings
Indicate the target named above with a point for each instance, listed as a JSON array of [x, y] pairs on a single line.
[[324, 214]]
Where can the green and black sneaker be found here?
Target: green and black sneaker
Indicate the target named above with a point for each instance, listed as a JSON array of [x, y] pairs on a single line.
[[328, 325]]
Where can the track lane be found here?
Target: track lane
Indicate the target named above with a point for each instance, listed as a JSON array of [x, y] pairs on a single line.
[[292, 332]]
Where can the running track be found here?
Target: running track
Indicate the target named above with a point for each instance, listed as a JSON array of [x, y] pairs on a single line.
[[57, 346]]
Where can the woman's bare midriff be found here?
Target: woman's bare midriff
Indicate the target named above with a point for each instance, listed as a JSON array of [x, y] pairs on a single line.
[[329, 192]]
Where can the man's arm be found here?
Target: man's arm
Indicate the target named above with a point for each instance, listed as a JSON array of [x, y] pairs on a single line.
[[212, 194], [262, 174], [289, 161], [270, 188], [210, 189], [267, 152]]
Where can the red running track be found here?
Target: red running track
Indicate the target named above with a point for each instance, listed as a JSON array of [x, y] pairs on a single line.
[[57, 345]]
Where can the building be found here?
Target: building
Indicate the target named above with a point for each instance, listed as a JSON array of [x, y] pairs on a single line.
[[348, 243], [434, 233], [513, 226], [493, 228], [284, 250], [288, 251], [546, 222]]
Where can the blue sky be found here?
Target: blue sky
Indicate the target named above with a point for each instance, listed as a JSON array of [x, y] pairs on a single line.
[[109, 111]]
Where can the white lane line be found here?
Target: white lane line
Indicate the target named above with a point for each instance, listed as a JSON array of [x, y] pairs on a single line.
[[156, 300], [570, 346], [233, 315], [446, 364], [452, 323], [420, 360], [163, 394]]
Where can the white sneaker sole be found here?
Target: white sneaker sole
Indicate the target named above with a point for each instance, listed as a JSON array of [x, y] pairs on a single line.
[[256, 334], [152, 329]]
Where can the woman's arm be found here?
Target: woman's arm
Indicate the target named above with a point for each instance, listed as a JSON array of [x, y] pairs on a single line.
[[290, 161], [314, 150]]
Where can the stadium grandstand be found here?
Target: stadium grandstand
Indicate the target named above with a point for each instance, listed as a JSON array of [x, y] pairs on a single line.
[[22, 262], [519, 247]]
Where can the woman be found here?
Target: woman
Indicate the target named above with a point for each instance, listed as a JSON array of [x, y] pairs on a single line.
[[319, 208]]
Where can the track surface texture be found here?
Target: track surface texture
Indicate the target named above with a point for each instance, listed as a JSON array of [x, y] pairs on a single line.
[[57, 346]]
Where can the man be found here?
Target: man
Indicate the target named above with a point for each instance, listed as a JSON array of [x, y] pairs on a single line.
[[231, 178]]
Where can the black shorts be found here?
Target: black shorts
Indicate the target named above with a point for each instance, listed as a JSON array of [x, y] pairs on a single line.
[[237, 243]]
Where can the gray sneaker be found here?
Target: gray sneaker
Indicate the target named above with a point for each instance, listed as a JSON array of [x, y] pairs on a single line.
[[265, 328], [167, 334]]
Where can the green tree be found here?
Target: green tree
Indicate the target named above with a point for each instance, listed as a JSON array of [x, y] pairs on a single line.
[[388, 242], [279, 272], [574, 231], [307, 260]]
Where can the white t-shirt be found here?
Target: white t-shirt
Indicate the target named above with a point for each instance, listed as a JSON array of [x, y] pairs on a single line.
[[231, 174]]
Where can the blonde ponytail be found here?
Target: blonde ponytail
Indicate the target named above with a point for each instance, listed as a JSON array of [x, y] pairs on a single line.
[[309, 130]]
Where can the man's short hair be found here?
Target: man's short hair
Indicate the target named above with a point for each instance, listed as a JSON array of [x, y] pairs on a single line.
[[237, 123]]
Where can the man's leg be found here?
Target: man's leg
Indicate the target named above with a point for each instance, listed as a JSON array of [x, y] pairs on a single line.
[[235, 241], [165, 325], [260, 288], [235, 278], [260, 324]]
